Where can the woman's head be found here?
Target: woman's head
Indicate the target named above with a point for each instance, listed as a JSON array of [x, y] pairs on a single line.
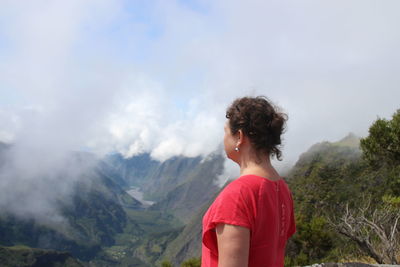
[[260, 121]]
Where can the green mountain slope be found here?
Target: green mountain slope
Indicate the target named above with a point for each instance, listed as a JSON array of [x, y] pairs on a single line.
[[324, 180], [324, 175], [188, 243], [144, 172], [30, 257], [183, 185], [136, 170], [197, 189], [102, 224]]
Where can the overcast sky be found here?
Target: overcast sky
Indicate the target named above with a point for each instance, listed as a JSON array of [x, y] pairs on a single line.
[[157, 76]]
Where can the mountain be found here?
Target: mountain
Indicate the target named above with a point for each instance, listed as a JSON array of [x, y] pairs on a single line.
[[351, 140], [329, 181], [144, 172], [105, 226], [196, 189], [134, 170], [170, 174], [31, 257], [101, 224], [94, 214], [322, 175], [183, 185], [188, 243], [342, 150]]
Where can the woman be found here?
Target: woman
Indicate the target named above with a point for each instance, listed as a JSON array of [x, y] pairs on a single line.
[[250, 221]]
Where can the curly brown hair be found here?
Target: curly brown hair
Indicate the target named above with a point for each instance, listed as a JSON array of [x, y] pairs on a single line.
[[260, 120]]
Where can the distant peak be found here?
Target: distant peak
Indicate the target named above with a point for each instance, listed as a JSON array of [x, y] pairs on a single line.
[[350, 140]]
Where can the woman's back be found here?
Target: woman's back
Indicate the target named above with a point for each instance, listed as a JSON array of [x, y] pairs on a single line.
[[261, 205]]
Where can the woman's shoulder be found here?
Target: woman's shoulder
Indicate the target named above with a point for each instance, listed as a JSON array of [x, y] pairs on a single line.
[[253, 183], [256, 183], [244, 184]]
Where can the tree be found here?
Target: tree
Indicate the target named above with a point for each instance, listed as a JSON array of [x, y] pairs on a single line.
[[382, 146], [311, 243], [375, 230], [375, 226], [381, 151]]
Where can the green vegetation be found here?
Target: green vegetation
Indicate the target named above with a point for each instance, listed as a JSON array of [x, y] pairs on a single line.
[[166, 263], [25, 256], [193, 262], [346, 194], [346, 199], [106, 227], [382, 146]]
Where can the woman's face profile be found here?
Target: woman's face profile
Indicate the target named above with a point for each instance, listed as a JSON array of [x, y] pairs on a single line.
[[229, 142]]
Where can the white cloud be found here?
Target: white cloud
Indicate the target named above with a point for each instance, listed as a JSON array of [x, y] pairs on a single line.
[[157, 76], [10, 123], [190, 138], [331, 65], [231, 172]]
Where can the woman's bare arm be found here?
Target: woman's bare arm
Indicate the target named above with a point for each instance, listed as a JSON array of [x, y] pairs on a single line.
[[233, 245]]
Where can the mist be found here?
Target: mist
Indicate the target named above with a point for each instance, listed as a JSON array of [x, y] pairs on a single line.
[[156, 77]]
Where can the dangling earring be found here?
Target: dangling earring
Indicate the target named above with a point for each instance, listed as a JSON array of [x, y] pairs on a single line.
[[236, 149]]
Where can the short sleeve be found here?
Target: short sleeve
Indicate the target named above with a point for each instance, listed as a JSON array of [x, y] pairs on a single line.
[[233, 206]]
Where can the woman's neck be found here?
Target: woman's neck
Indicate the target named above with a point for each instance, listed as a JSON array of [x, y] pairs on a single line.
[[263, 169]]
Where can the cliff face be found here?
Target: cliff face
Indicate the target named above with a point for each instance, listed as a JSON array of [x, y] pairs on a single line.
[[198, 187], [188, 243], [180, 185], [183, 187]]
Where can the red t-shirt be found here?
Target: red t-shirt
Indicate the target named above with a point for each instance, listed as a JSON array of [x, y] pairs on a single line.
[[264, 206]]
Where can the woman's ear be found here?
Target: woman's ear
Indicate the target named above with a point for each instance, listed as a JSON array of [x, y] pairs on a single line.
[[240, 137]]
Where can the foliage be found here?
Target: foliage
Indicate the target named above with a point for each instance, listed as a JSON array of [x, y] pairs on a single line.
[[312, 242], [374, 224], [193, 262], [382, 146], [381, 150], [108, 228], [25, 256], [105, 228], [331, 176], [319, 183], [374, 229], [166, 263]]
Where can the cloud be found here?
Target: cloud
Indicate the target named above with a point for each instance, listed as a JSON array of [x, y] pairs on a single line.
[[331, 66], [156, 76], [36, 185], [49, 107]]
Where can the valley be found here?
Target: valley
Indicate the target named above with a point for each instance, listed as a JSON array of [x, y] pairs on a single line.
[[138, 195], [141, 212]]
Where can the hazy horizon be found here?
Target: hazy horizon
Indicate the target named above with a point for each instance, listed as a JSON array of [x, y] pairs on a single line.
[[156, 76]]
